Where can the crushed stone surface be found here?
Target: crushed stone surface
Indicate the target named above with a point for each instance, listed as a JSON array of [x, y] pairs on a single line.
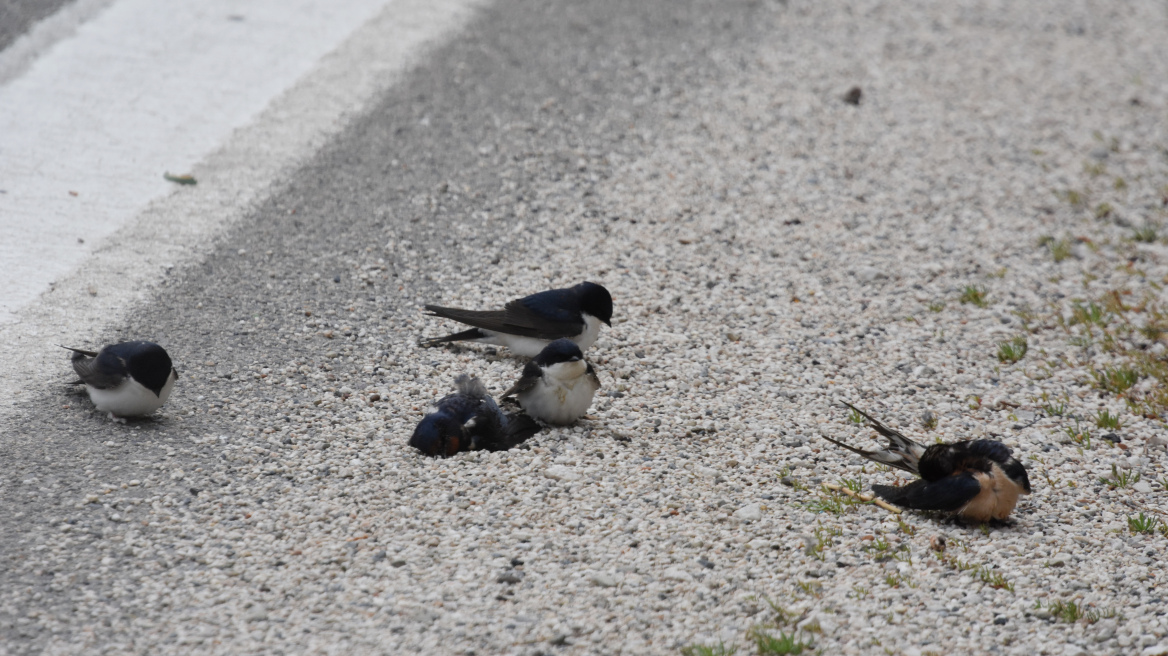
[[772, 251]]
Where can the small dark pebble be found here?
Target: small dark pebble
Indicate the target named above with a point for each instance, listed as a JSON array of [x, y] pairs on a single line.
[[398, 563], [1113, 438], [379, 556], [639, 353], [788, 481], [194, 492], [1049, 447], [336, 278], [852, 97], [705, 563], [515, 562], [510, 576], [1001, 621]]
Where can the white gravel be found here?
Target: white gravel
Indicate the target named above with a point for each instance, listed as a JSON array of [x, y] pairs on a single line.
[[764, 260]]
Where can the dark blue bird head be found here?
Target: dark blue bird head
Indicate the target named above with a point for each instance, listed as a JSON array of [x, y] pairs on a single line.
[[438, 435], [561, 350], [147, 362], [595, 300]]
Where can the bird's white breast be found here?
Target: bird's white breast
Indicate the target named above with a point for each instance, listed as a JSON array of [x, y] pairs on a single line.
[[131, 398], [562, 395]]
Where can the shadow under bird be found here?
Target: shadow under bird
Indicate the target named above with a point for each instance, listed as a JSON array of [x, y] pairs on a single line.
[[526, 325], [469, 420], [129, 379], [977, 480], [557, 386]]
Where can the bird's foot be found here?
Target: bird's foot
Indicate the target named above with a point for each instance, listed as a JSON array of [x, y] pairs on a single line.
[[116, 419]]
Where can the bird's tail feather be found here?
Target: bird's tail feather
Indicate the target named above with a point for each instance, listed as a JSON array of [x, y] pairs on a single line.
[[901, 453], [520, 427], [888, 457], [470, 386], [473, 333]]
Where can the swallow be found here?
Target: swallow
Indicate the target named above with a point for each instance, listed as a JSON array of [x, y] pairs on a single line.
[[977, 480], [469, 420], [129, 379], [528, 324], [556, 386]]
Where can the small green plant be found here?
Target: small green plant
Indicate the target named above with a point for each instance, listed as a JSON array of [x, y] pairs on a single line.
[[810, 587], [1070, 611], [780, 645], [973, 294], [833, 501], [1142, 523], [1072, 197], [1120, 184], [1091, 313], [1094, 169], [855, 417], [1120, 479], [854, 484], [1116, 380], [1053, 409], [719, 649], [1105, 419], [936, 306], [1146, 234], [1103, 210], [929, 420], [860, 591], [1060, 249], [989, 576], [1012, 350], [910, 531], [897, 580], [1079, 435]]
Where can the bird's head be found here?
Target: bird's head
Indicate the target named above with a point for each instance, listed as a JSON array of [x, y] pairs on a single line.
[[595, 300], [438, 435]]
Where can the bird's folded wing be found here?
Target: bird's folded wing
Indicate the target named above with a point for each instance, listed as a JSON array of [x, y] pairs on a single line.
[[94, 373], [593, 378], [948, 494], [516, 319]]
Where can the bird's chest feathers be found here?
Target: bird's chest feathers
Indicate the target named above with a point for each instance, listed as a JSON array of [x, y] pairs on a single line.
[[564, 377], [997, 497]]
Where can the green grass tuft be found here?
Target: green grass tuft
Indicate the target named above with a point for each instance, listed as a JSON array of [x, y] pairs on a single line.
[[1012, 350], [719, 649], [974, 295], [1105, 419]]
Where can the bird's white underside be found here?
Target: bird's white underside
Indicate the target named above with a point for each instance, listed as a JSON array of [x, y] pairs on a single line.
[[529, 347], [562, 395], [131, 398]]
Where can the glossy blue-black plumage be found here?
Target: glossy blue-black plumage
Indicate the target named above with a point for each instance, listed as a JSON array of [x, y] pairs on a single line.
[[469, 420]]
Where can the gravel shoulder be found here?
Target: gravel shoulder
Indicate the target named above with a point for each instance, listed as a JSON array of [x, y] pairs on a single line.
[[772, 251]]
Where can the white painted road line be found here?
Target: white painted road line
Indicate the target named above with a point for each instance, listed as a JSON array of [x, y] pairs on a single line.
[[104, 120], [143, 88]]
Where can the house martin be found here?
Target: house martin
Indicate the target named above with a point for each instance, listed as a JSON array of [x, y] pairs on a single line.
[[469, 420], [528, 324], [557, 386], [977, 480], [129, 379]]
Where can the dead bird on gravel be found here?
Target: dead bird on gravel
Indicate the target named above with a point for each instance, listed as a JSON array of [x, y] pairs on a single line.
[[528, 324], [129, 379], [557, 386], [469, 420], [976, 480]]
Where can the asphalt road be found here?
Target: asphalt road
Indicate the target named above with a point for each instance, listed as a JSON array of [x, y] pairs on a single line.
[[530, 95]]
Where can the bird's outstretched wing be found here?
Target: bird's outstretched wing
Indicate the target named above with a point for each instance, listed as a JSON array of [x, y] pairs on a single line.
[[901, 453], [889, 457], [948, 494]]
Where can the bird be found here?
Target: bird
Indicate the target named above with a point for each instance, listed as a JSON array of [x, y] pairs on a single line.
[[469, 420], [127, 379], [977, 480], [526, 325], [557, 385]]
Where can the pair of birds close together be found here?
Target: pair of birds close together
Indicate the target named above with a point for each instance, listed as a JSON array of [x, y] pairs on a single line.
[[977, 480], [556, 386]]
